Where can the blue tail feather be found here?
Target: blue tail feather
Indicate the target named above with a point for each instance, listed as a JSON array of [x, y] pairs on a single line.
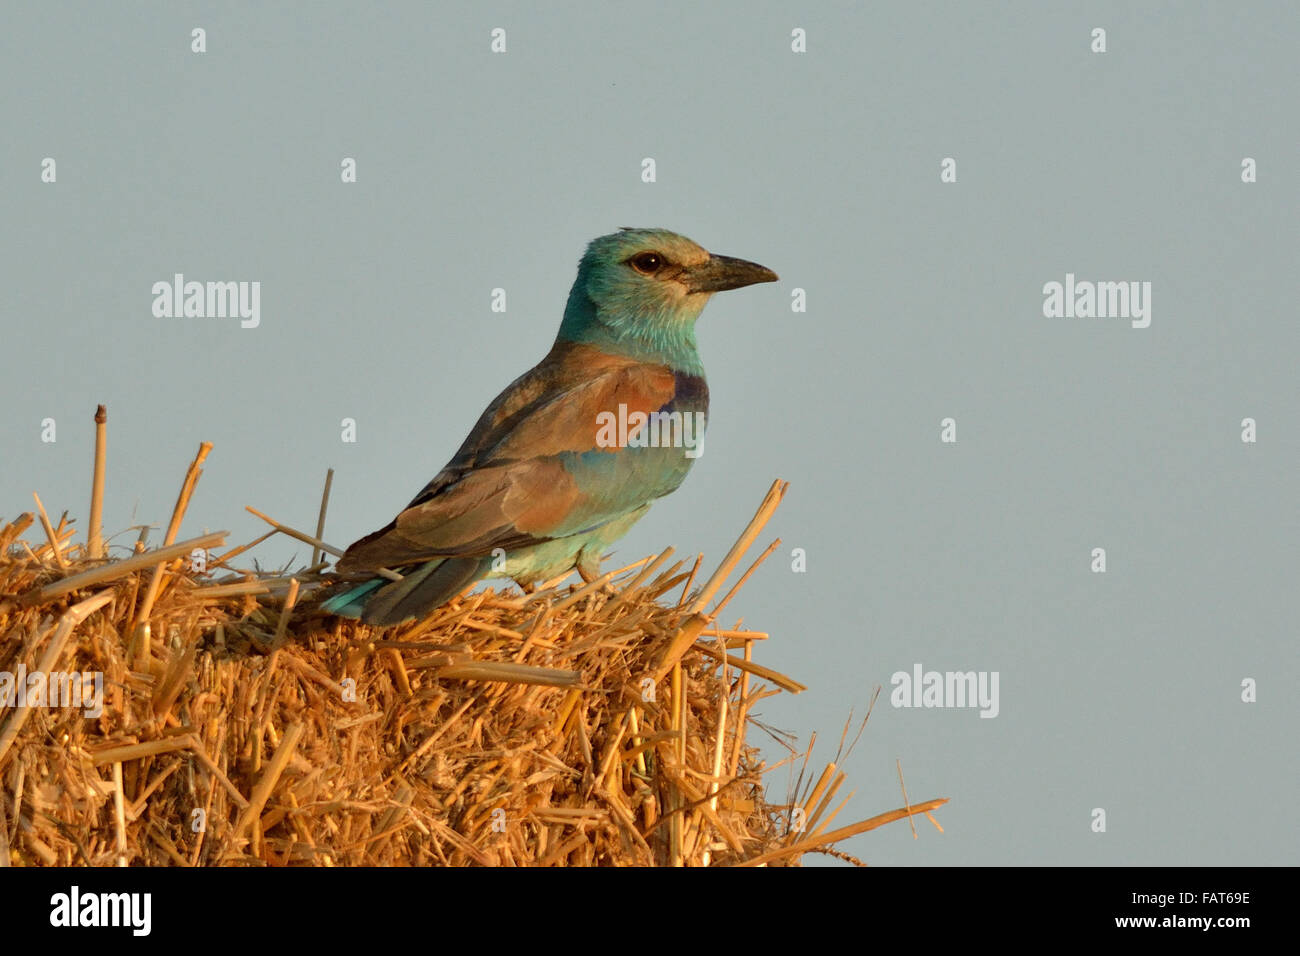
[[352, 602]]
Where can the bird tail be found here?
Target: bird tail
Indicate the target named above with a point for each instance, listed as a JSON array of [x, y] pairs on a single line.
[[382, 603], [352, 602]]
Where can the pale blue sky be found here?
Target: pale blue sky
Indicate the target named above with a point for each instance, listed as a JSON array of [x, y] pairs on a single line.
[[479, 171]]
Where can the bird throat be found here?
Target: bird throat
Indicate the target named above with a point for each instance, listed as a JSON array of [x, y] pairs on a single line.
[[647, 334]]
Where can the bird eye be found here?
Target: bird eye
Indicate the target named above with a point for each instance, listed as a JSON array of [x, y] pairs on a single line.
[[647, 263]]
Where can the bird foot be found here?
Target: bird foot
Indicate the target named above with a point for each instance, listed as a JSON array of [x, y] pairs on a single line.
[[591, 572]]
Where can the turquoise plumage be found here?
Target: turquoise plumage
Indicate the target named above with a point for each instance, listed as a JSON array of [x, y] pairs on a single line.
[[573, 452]]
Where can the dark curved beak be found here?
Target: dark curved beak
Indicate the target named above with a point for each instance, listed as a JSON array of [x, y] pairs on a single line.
[[721, 273]]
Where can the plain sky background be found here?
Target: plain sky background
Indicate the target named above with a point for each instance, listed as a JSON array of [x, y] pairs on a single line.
[[1118, 690]]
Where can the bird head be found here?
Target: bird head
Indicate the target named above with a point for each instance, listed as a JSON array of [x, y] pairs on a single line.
[[640, 291]]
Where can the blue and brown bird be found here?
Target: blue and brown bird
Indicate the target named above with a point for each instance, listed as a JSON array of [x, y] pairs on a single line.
[[574, 451]]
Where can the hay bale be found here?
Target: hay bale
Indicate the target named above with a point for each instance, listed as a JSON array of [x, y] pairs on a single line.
[[602, 724]]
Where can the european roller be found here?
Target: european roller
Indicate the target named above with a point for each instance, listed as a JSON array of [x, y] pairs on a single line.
[[574, 451]]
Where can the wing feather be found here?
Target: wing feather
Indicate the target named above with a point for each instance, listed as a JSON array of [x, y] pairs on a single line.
[[531, 469]]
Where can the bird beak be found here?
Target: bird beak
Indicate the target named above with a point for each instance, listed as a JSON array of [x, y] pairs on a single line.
[[723, 272]]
